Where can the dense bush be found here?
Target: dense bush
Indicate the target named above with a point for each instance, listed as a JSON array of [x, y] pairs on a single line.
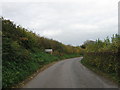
[[104, 56], [23, 52], [16, 71]]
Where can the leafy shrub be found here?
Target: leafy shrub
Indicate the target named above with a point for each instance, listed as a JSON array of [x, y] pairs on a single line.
[[104, 56], [23, 52]]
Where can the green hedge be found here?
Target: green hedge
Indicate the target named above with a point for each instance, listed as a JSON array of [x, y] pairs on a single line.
[[23, 52], [14, 72], [106, 62]]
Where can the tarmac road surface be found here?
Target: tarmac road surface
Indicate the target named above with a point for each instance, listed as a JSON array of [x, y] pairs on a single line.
[[69, 73]]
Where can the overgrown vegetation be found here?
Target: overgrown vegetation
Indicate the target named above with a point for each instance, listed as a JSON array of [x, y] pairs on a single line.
[[104, 56], [23, 52]]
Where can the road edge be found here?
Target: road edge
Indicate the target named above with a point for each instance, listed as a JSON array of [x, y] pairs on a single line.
[[101, 74], [29, 78]]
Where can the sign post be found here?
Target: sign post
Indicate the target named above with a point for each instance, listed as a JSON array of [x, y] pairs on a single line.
[[49, 51]]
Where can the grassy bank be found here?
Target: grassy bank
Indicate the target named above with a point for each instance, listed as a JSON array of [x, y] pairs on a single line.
[[113, 76], [23, 52], [15, 72], [104, 57]]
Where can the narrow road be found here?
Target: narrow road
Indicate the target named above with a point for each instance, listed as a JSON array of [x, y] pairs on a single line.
[[69, 73]]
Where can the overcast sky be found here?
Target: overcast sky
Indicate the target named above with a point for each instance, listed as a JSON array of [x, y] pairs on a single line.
[[68, 21]]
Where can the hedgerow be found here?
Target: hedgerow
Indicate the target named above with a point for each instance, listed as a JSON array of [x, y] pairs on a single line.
[[104, 56], [23, 52]]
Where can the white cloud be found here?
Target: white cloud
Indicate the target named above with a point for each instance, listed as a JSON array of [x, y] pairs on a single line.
[[50, 33], [0, 9], [84, 27], [80, 1], [69, 21]]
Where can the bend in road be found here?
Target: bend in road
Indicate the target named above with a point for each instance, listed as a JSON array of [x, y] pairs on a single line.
[[69, 73]]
